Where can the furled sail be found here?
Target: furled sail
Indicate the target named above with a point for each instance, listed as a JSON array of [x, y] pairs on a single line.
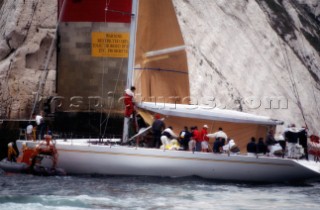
[[238, 125]]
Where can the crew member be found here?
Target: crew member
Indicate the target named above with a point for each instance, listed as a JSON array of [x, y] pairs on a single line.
[[12, 154], [129, 102], [204, 139], [157, 127], [167, 136], [221, 136]]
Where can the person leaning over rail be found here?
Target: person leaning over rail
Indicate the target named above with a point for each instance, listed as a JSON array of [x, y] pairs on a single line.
[[231, 147], [221, 135], [167, 136]]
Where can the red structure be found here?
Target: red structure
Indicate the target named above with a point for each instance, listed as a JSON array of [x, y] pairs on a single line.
[[118, 11]]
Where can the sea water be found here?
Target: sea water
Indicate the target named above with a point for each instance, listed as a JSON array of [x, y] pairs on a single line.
[[24, 192]]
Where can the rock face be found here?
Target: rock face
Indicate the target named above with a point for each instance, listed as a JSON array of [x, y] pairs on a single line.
[[257, 56], [27, 28], [260, 56]]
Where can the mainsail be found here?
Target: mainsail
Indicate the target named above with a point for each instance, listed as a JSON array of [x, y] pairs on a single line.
[[161, 69], [161, 77]]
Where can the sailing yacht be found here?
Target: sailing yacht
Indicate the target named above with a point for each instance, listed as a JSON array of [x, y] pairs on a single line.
[[159, 59]]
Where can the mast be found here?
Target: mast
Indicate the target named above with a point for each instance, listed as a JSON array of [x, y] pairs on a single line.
[[132, 46]]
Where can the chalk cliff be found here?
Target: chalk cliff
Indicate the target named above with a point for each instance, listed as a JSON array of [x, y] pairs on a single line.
[[27, 28], [245, 54]]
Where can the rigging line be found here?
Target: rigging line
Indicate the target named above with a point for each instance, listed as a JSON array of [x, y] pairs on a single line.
[[310, 78], [299, 101], [108, 3], [287, 67], [102, 93], [101, 107], [266, 61], [116, 11], [161, 69], [296, 93], [103, 72], [121, 12], [44, 75], [112, 101], [102, 79]]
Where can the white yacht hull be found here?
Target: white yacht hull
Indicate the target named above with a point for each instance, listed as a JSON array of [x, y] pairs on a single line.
[[80, 157]]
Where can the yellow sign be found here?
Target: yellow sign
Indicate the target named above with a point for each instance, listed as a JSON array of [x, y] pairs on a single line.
[[110, 44]]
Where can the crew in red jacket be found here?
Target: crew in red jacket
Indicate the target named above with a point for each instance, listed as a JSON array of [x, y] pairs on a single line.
[[204, 139], [129, 101], [196, 136]]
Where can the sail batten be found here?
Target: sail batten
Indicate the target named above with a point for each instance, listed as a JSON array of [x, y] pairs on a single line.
[[164, 70], [164, 51]]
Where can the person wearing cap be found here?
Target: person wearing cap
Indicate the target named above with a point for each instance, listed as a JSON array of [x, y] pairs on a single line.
[[157, 127], [204, 139]]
